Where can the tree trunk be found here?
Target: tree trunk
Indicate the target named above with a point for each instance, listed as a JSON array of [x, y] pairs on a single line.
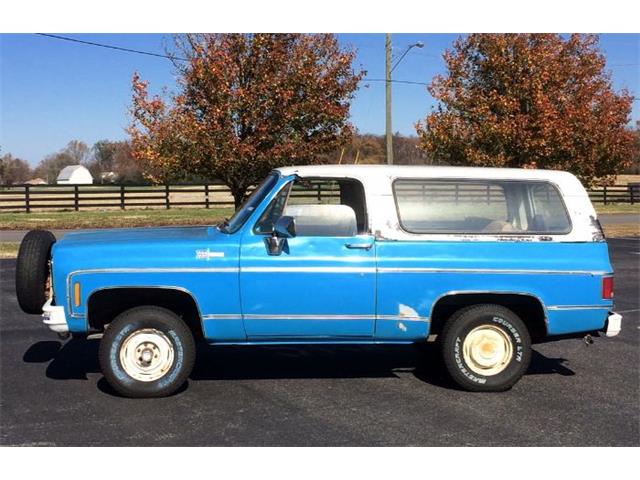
[[238, 196]]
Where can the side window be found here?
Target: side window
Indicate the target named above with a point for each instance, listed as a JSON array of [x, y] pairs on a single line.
[[479, 207], [321, 207], [549, 213]]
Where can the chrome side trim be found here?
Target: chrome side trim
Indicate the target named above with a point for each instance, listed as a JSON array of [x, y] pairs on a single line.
[[222, 316], [307, 317], [401, 318], [309, 269], [579, 307], [488, 270], [225, 316]]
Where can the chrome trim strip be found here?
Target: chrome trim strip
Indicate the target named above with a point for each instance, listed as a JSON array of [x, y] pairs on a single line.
[[488, 270], [307, 317], [156, 270], [401, 318], [222, 316], [309, 269], [579, 307], [225, 316]]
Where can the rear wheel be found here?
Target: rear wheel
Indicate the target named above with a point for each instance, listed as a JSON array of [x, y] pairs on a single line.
[[485, 348], [33, 270], [147, 352]]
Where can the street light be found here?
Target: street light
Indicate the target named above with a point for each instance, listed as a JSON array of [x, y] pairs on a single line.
[[390, 69]]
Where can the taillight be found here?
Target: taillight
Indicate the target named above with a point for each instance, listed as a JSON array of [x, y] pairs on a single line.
[[607, 288]]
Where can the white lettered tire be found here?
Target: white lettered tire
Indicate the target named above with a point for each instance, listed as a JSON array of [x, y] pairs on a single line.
[[147, 352], [486, 348]]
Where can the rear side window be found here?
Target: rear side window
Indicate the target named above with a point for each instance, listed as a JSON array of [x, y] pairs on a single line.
[[480, 207]]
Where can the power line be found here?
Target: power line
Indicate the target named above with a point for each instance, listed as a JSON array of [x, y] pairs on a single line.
[[152, 54], [170, 57], [112, 47], [407, 82]]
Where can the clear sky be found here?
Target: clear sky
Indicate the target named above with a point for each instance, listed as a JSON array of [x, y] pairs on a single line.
[[54, 91]]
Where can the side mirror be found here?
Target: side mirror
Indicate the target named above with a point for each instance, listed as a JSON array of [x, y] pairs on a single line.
[[285, 227]]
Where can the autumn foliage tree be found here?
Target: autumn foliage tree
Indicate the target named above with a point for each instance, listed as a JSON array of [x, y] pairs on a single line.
[[529, 100], [245, 104]]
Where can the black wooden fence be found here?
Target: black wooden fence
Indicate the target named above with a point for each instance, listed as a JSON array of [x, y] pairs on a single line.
[[27, 198]]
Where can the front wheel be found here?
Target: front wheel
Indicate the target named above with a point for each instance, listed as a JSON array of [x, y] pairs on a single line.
[[147, 352], [486, 348]]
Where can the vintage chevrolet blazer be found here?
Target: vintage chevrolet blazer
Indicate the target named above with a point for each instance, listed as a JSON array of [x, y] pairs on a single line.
[[482, 261]]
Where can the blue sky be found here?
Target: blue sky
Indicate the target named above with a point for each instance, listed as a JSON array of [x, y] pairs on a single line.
[[52, 91]]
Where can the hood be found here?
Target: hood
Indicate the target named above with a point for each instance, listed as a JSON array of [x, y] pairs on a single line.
[[169, 247]]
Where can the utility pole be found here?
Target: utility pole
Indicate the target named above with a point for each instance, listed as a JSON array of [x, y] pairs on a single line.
[[389, 130]]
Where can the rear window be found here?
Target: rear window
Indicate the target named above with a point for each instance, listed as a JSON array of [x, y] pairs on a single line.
[[480, 207]]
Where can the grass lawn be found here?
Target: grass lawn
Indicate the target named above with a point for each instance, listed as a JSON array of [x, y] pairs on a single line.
[[617, 208], [9, 249], [622, 230], [113, 218]]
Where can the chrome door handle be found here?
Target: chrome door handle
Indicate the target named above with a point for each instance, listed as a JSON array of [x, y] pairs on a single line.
[[361, 246]]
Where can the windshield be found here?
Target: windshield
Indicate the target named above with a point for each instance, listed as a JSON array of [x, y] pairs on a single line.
[[249, 205]]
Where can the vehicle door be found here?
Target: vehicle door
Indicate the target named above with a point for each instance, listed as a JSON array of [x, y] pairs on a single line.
[[319, 283]]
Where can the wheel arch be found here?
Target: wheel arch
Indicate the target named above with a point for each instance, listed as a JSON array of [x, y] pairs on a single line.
[[528, 306], [106, 303]]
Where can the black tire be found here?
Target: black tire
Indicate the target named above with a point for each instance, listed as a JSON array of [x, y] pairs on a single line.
[[135, 320], [33, 270], [470, 377]]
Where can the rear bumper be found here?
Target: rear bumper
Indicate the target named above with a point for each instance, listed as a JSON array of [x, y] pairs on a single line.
[[54, 317], [613, 324]]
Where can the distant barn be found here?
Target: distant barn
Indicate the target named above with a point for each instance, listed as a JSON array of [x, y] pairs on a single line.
[[74, 175]]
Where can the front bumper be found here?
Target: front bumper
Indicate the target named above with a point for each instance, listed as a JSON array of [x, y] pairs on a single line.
[[613, 324], [54, 317]]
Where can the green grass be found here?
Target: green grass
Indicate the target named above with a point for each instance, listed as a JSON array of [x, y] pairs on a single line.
[[617, 208], [113, 219], [9, 249]]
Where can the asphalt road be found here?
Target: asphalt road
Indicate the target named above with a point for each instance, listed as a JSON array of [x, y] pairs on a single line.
[[52, 392]]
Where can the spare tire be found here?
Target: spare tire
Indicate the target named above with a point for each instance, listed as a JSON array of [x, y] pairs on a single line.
[[33, 270]]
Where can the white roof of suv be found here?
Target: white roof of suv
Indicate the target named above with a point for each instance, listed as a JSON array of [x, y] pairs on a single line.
[[394, 171], [378, 179]]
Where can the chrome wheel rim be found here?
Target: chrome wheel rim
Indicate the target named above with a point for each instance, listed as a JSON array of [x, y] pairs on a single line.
[[146, 355], [487, 350]]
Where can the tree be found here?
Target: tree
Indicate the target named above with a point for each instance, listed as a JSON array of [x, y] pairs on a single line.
[[125, 166], [103, 153], [75, 153], [528, 100], [634, 167], [246, 103], [13, 170]]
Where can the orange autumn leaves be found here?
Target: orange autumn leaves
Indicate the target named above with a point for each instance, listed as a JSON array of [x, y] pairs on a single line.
[[245, 104], [529, 100]]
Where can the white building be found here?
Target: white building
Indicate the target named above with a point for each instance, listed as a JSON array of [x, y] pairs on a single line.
[[74, 175]]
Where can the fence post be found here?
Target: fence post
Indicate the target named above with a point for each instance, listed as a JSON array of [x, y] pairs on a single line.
[[166, 196], [206, 195], [319, 193], [27, 205], [75, 198], [122, 197], [632, 191], [605, 194]]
